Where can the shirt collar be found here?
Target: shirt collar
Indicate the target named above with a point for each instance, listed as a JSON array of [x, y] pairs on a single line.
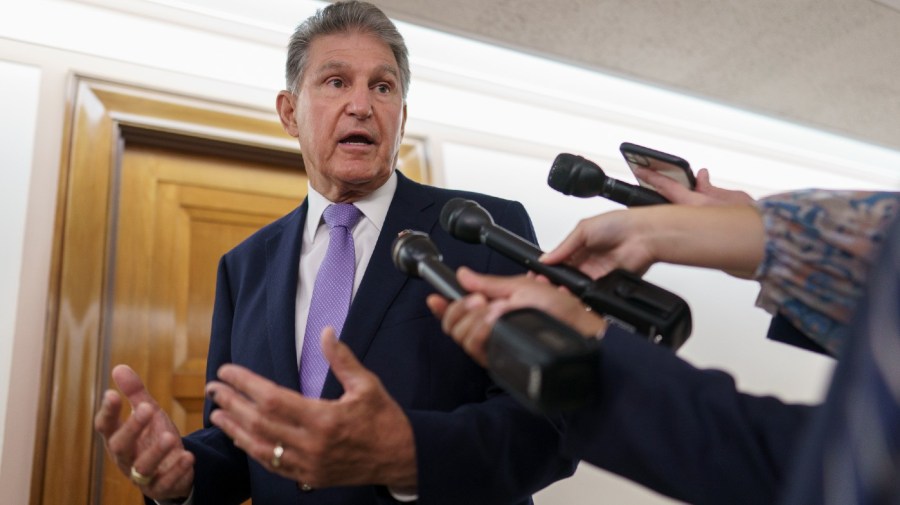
[[373, 206]]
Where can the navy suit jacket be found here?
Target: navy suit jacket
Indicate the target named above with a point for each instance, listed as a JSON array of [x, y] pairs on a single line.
[[684, 432], [474, 444]]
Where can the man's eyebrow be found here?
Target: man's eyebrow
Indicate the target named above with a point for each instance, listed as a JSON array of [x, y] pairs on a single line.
[[389, 69], [333, 65]]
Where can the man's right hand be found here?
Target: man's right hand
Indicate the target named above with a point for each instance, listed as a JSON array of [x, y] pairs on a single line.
[[146, 447]]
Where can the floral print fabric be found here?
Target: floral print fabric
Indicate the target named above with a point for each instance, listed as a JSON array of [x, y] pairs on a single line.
[[819, 247]]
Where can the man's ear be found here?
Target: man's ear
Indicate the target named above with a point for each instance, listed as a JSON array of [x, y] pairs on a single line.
[[285, 105], [403, 123]]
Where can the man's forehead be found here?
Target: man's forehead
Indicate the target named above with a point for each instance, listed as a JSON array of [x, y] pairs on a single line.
[[330, 46]]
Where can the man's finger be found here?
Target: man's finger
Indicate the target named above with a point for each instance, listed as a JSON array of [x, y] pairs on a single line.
[[130, 384], [253, 440], [147, 462], [268, 395], [106, 422], [124, 441], [176, 480], [348, 370], [259, 407]]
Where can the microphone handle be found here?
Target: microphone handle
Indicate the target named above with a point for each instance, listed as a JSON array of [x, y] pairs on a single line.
[[642, 307], [441, 278], [629, 194], [527, 254]]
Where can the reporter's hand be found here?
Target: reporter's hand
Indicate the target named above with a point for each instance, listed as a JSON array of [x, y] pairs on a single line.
[[469, 321], [729, 238], [147, 442], [618, 239], [703, 194]]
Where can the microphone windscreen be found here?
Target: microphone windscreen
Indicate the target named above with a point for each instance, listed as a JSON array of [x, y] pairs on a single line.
[[574, 175], [464, 219]]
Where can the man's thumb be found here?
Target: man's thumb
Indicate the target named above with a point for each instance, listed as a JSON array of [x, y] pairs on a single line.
[[128, 381], [346, 368]]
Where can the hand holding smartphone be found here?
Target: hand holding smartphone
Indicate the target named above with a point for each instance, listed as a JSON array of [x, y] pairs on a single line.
[[673, 167]]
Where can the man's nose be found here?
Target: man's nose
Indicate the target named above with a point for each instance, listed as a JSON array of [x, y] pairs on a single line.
[[359, 103]]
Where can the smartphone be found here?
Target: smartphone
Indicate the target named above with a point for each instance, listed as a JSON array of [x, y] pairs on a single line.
[[673, 167]]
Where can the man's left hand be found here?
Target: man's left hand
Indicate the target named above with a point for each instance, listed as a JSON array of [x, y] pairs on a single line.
[[363, 437]]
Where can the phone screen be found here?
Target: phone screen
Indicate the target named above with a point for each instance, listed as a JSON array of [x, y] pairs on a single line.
[[666, 164]]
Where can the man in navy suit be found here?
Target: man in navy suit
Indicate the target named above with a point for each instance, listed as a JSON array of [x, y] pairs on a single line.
[[403, 413]]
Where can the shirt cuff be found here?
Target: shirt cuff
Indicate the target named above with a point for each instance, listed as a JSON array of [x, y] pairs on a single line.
[[187, 501], [401, 497]]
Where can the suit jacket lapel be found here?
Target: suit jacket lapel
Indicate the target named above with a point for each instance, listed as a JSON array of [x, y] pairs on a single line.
[[282, 270], [411, 208]]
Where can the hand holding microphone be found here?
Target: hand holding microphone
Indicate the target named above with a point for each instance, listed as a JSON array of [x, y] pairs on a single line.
[[577, 176], [623, 296], [543, 363]]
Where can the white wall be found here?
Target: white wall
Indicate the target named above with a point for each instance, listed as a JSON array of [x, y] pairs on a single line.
[[19, 103], [495, 120]]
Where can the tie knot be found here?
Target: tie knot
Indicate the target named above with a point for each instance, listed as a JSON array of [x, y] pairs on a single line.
[[341, 214]]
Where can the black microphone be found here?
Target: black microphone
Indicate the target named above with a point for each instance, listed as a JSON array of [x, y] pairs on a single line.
[[416, 255], [624, 297], [470, 222], [546, 365], [577, 176]]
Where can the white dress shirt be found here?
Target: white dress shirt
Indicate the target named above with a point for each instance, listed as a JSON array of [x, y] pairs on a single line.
[[374, 208]]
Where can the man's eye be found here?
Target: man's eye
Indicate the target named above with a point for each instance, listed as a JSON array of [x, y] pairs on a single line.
[[383, 88], [336, 83]]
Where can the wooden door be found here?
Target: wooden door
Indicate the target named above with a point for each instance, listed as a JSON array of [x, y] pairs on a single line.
[[155, 189], [177, 214]]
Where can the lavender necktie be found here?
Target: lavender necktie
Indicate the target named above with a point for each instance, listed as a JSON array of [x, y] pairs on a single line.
[[331, 295]]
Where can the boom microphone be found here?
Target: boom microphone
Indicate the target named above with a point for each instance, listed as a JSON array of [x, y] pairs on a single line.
[[622, 296], [577, 176], [543, 363]]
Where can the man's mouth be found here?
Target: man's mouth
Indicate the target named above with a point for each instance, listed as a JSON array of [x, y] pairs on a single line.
[[357, 139]]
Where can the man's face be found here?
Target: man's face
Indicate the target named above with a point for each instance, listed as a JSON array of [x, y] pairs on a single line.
[[348, 115]]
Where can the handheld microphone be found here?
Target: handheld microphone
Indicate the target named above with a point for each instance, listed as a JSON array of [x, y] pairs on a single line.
[[574, 175], [625, 298], [546, 365]]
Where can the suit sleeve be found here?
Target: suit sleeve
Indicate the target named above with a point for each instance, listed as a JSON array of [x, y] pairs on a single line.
[[684, 432], [494, 451]]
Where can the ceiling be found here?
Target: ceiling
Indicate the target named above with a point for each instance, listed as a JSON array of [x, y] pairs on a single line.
[[829, 64]]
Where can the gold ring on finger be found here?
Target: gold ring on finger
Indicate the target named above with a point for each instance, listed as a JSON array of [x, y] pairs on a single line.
[[139, 478], [277, 453]]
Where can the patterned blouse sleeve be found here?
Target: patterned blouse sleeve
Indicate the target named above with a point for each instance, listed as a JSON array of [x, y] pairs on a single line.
[[819, 245]]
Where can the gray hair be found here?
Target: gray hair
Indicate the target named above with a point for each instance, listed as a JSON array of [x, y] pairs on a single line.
[[344, 17]]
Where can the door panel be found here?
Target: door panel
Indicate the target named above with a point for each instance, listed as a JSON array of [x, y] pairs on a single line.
[[177, 215]]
